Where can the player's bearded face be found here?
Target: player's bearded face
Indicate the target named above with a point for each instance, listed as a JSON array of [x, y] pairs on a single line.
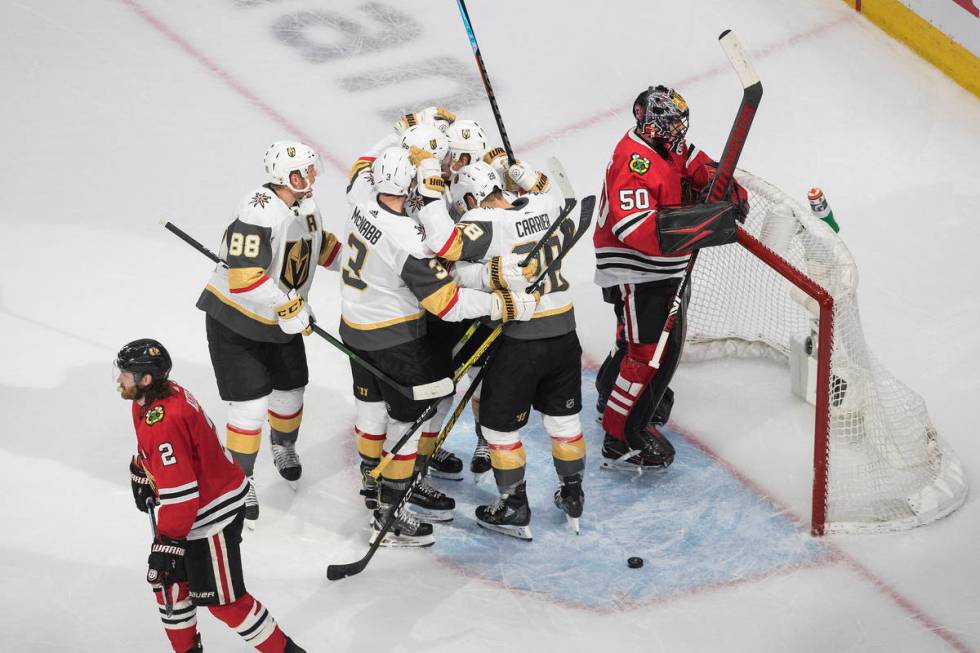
[[128, 388]]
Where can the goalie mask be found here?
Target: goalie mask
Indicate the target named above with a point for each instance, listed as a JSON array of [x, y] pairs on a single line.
[[285, 157], [393, 172], [478, 180], [466, 137], [661, 116]]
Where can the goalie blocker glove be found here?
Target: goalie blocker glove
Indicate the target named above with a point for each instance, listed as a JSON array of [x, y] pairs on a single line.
[[684, 228]]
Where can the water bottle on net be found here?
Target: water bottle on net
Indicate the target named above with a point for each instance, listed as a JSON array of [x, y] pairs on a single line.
[[820, 208]]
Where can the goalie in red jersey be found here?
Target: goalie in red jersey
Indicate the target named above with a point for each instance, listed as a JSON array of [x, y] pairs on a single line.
[[649, 222], [181, 466]]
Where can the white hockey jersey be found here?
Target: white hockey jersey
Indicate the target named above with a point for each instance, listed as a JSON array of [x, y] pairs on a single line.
[[271, 249], [390, 278], [496, 232]]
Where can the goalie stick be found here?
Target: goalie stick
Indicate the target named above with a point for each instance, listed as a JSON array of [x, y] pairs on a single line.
[[337, 572], [424, 392], [722, 180]]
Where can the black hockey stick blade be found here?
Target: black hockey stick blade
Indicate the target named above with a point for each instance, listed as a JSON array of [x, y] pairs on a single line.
[[584, 222], [336, 572], [566, 209]]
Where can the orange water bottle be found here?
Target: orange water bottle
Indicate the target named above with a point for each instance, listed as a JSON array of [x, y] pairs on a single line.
[[820, 208]]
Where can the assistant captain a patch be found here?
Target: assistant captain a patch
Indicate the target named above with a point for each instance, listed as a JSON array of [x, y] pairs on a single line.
[[639, 164], [155, 416]]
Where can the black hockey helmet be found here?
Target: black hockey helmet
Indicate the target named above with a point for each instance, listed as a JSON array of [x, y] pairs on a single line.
[[145, 356], [661, 115]]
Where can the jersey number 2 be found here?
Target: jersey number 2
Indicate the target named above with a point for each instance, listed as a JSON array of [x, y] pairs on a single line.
[[167, 454]]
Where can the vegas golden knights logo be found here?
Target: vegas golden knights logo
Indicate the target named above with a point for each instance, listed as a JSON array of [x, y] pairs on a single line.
[[296, 263], [291, 151], [465, 133], [433, 144]]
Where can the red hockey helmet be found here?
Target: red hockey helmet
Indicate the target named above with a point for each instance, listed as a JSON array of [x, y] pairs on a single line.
[[661, 115]]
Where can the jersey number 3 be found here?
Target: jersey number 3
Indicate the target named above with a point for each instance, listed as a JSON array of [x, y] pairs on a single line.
[[352, 271]]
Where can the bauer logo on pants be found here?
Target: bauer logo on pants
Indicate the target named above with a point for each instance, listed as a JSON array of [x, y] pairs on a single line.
[[296, 264]]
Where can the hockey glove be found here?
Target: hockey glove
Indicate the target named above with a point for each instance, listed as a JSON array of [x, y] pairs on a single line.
[[142, 488], [438, 117], [428, 173], [528, 179], [505, 272], [166, 562], [294, 317], [508, 306], [497, 157]]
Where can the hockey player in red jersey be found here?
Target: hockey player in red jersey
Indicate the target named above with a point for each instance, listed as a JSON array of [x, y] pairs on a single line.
[[648, 225], [181, 466]]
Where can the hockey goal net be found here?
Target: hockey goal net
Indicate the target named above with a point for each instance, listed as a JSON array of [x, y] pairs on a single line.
[[878, 462]]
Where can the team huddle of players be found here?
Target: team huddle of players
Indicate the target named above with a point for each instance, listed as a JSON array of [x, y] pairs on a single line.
[[440, 245]]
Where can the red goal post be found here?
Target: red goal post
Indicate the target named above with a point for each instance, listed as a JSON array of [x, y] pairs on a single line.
[[787, 291]]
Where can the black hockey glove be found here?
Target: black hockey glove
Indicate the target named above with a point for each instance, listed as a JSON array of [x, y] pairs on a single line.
[[142, 490], [166, 562]]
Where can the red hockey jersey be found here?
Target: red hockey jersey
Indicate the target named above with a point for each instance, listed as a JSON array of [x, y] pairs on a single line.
[[199, 486], [639, 181]]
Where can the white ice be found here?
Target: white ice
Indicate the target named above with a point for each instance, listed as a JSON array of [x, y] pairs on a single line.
[[117, 113]]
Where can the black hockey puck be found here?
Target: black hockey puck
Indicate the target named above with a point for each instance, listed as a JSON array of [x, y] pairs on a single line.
[[634, 562]]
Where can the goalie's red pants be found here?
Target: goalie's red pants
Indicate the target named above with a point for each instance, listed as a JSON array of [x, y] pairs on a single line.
[[245, 615], [642, 311]]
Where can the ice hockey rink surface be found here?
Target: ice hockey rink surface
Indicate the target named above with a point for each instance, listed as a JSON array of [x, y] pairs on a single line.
[[118, 113]]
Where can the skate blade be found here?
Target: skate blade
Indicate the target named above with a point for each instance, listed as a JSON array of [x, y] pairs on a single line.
[[294, 485], [448, 476], [573, 522], [392, 541], [427, 515], [519, 532], [250, 523]]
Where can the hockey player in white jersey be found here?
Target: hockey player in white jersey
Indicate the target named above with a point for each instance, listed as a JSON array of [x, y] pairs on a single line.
[[390, 281], [537, 363], [256, 308]]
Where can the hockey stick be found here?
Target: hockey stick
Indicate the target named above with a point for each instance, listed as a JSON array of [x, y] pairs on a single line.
[[435, 390], [486, 82], [558, 170], [722, 180], [337, 572], [168, 605], [430, 410]]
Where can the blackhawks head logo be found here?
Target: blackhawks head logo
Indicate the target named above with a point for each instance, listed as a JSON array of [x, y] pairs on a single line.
[[639, 164], [155, 416]]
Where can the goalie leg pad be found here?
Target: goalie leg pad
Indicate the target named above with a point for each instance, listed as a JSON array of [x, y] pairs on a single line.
[[633, 378]]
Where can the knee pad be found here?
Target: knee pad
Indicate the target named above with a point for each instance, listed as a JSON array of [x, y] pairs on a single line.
[[244, 428], [507, 456], [430, 430], [286, 410], [564, 426]]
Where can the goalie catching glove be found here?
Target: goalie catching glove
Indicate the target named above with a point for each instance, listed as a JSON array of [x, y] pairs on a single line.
[[508, 306], [294, 316], [428, 173], [438, 117], [506, 272]]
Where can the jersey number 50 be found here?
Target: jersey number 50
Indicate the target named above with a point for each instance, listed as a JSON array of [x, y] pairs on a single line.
[[630, 198]]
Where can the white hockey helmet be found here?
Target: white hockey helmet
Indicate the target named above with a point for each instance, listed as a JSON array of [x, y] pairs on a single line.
[[477, 179], [393, 172], [428, 138], [466, 137], [285, 157]]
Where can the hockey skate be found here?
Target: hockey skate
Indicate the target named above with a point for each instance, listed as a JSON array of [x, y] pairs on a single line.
[[429, 504], [444, 464], [480, 462], [369, 487], [251, 505], [510, 514], [406, 532], [646, 449], [287, 461], [293, 647], [570, 499]]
